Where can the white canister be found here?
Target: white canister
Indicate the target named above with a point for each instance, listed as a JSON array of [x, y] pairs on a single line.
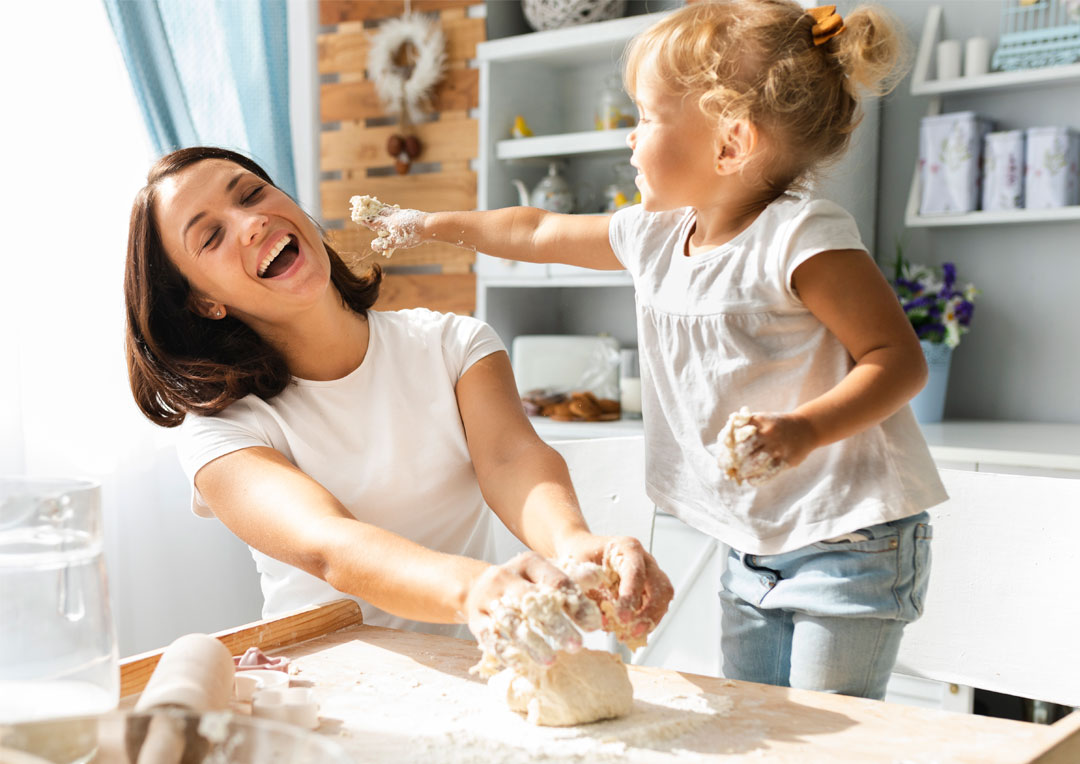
[[1003, 170], [1052, 177], [949, 54], [950, 162], [976, 56]]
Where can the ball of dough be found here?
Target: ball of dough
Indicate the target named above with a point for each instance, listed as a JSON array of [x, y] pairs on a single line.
[[581, 687]]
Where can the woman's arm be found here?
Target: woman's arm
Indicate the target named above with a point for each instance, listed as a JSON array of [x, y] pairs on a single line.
[[276, 508], [513, 233], [527, 484], [847, 292]]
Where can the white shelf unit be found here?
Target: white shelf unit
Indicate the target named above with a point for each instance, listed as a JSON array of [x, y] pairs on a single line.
[[553, 79], [581, 144], [997, 82]]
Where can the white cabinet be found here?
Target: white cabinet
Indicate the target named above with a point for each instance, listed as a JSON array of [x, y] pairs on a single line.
[[1065, 77], [553, 79]]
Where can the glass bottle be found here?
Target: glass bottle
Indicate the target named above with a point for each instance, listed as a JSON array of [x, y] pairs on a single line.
[[614, 108]]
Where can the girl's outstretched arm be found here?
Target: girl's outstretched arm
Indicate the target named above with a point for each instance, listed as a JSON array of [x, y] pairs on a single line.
[[514, 233], [845, 290]]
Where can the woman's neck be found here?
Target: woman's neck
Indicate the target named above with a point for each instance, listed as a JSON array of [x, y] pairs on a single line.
[[327, 342]]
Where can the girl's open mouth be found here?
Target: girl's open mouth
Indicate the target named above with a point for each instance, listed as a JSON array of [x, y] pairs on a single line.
[[279, 258]]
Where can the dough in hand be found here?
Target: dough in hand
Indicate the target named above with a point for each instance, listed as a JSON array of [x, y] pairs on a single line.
[[580, 687], [737, 458]]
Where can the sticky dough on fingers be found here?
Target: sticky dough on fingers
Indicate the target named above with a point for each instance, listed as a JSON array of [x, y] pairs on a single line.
[[739, 455]]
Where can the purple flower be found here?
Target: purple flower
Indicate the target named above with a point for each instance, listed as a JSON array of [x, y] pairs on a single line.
[[928, 329], [964, 309], [920, 302], [949, 271]]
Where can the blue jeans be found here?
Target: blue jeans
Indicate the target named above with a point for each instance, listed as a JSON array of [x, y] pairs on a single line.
[[828, 616]]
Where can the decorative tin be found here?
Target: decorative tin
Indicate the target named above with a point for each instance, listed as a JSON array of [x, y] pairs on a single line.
[[950, 151], [1003, 170], [1052, 177]]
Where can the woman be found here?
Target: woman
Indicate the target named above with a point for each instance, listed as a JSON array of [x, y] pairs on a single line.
[[352, 450]]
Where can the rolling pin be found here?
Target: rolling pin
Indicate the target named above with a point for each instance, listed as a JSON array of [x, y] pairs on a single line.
[[195, 673]]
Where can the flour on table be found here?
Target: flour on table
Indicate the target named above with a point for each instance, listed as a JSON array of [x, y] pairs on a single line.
[[579, 688], [736, 443]]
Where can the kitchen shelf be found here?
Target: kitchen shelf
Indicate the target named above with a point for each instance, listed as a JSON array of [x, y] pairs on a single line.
[[581, 144], [571, 46], [1050, 215], [1018, 80], [1068, 75]]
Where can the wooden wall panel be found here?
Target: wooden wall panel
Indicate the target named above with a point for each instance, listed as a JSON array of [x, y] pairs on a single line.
[[353, 148], [354, 243], [346, 49], [357, 99], [446, 292], [338, 11], [422, 191]]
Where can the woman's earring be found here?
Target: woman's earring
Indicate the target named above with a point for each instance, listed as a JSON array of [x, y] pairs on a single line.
[[218, 313]]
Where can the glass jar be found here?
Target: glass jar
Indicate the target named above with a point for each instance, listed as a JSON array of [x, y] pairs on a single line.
[[623, 190], [614, 108], [58, 652]]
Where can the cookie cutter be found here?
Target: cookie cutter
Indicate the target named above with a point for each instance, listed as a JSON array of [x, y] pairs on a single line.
[[254, 658], [247, 683], [295, 705]]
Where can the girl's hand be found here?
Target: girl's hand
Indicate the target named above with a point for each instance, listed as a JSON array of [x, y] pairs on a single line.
[[495, 618], [779, 441], [644, 590], [396, 228]]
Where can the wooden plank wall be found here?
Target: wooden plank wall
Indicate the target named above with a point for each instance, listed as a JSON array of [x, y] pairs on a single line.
[[354, 158]]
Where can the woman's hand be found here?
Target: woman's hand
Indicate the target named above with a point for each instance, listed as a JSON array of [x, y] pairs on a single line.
[[495, 615], [644, 591]]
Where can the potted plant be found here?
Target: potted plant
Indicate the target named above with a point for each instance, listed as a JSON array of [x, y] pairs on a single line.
[[940, 311]]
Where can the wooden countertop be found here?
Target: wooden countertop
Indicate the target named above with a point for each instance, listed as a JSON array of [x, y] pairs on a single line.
[[397, 696]]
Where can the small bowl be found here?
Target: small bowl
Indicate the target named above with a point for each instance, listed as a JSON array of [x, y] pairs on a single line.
[[295, 705], [247, 683]]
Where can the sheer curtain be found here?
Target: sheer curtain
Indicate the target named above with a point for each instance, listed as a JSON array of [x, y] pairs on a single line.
[[76, 151], [211, 72]]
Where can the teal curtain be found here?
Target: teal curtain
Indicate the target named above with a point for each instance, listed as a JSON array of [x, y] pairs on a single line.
[[211, 72]]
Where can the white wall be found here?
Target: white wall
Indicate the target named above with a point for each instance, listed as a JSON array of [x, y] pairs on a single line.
[[75, 154], [1019, 360]]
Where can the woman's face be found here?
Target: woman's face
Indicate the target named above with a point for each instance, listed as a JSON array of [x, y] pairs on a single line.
[[244, 246]]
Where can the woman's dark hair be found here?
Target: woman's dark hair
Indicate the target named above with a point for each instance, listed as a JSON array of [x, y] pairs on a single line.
[[179, 362]]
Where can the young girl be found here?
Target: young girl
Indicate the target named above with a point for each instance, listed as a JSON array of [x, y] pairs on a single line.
[[752, 293]]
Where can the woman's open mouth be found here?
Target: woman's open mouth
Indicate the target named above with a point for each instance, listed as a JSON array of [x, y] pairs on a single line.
[[279, 258]]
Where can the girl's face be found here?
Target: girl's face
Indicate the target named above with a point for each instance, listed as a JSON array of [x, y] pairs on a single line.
[[243, 245], [674, 144]]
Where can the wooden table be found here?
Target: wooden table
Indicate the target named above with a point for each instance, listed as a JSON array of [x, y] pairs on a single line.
[[395, 696]]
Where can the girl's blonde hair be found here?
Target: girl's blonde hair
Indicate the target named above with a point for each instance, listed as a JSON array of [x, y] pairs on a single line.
[[756, 60]]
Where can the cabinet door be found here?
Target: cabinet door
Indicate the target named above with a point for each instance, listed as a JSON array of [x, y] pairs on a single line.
[[688, 639], [609, 478], [1001, 610]]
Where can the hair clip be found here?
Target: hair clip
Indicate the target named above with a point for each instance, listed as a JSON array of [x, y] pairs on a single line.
[[827, 24]]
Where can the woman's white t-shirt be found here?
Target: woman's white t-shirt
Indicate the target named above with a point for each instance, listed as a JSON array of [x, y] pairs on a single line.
[[724, 329], [386, 440]]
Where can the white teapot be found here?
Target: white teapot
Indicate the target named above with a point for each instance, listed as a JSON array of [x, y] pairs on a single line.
[[552, 193]]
